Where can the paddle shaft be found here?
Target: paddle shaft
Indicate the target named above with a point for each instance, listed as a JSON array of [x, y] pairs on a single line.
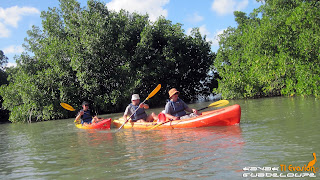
[[203, 108], [160, 124]]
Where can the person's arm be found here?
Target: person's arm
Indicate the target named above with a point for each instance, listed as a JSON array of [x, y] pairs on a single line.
[[79, 115], [168, 112], [125, 114], [145, 106], [186, 107], [124, 117], [94, 115], [192, 110]]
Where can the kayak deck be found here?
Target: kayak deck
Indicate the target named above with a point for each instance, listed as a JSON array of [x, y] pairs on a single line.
[[103, 124], [221, 117]]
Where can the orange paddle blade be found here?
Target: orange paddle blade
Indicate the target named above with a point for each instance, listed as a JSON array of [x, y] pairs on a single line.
[[154, 91], [67, 106]]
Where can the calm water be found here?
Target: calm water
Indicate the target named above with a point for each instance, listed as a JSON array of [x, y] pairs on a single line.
[[273, 131]]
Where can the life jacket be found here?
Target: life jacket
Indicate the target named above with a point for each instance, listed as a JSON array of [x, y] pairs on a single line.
[[86, 117], [140, 114], [178, 108]]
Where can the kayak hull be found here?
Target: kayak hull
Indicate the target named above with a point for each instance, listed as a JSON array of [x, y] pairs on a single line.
[[103, 124], [221, 117]]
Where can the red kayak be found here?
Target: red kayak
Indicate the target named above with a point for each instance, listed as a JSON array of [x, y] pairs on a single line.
[[103, 124], [221, 117]]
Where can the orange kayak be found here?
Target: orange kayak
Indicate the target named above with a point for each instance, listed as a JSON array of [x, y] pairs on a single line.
[[103, 124], [221, 117]]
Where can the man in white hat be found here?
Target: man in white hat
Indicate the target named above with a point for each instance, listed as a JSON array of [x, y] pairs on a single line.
[[140, 115]]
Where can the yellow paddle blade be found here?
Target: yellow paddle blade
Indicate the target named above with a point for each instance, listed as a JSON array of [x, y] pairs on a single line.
[[67, 106], [154, 91], [219, 103]]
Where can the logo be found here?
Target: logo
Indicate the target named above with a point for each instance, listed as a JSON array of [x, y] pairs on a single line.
[[290, 171]]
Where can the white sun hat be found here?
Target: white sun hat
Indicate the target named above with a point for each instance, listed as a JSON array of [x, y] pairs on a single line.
[[135, 97]]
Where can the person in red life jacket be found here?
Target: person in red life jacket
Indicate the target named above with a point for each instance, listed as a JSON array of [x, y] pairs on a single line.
[[86, 115], [140, 115], [175, 108]]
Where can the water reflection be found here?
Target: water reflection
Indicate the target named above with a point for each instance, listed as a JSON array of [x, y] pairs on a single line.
[[193, 153]]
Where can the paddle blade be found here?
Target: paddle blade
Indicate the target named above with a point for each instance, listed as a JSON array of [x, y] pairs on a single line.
[[154, 91], [219, 103], [67, 106]]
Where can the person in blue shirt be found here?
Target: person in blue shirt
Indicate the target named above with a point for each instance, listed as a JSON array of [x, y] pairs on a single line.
[[86, 115], [140, 115], [176, 108]]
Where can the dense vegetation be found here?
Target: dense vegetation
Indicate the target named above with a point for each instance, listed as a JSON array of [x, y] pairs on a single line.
[[273, 51], [103, 56], [4, 114]]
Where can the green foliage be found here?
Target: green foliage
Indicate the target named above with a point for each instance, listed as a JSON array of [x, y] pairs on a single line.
[[3, 80], [103, 57], [3, 75], [273, 51], [3, 60], [166, 55]]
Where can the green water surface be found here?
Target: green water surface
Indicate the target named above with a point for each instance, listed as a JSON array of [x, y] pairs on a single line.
[[273, 131]]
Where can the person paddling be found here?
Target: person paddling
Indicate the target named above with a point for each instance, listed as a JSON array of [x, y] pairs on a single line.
[[140, 115], [175, 108], [86, 115]]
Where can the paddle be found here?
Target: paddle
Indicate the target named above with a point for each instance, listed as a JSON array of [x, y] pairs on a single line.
[[70, 108], [150, 96], [67, 106], [215, 104]]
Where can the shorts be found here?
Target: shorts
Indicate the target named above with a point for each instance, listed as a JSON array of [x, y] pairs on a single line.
[[144, 118]]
